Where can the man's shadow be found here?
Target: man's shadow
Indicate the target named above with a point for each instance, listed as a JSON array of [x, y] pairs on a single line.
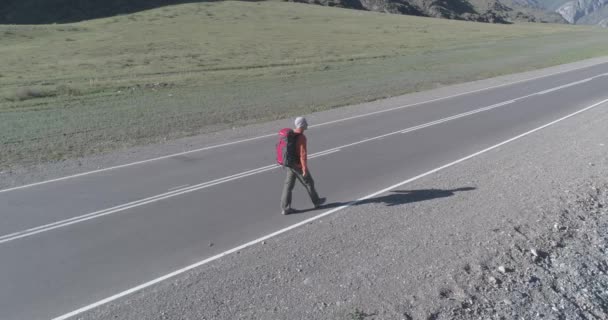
[[398, 197]]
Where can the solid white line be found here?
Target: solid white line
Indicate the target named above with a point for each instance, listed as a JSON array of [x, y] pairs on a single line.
[[141, 202], [180, 187], [600, 76], [565, 86], [248, 244], [324, 153], [274, 134]]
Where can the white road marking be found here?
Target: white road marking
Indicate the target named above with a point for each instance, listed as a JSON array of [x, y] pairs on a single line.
[[180, 187], [119, 208], [324, 153], [565, 86], [204, 185], [274, 134], [494, 106], [301, 223], [600, 75], [130, 205]]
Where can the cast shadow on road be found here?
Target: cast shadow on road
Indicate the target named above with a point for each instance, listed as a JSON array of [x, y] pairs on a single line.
[[399, 197]]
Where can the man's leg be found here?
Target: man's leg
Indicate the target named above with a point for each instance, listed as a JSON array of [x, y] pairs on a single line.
[[309, 183], [290, 181]]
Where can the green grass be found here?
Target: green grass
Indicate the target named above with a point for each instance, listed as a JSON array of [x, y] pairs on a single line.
[[92, 87]]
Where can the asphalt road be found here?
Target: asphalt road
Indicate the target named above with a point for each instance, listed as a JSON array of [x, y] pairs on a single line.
[[73, 242]]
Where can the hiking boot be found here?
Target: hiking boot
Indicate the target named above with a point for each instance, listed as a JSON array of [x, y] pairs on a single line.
[[287, 211], [320, 202]]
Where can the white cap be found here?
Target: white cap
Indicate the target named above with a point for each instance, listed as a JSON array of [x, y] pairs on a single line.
[[301, 123]]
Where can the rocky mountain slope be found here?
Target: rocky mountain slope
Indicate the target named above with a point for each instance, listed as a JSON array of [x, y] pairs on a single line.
[[587, 12], [492, 11]]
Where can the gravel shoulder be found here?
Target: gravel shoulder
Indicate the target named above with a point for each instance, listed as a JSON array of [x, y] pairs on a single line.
[[518, 232], [17, 176]]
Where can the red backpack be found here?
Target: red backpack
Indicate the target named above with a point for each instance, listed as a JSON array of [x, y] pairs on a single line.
[[286, 148]]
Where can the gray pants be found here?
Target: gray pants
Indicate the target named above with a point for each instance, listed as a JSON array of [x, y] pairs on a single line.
[[290, 181]]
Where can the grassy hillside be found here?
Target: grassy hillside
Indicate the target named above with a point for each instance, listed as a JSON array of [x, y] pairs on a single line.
[[64, 11], [71, 90]]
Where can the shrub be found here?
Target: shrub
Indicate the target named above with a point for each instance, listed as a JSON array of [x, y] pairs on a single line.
[[32, 93]]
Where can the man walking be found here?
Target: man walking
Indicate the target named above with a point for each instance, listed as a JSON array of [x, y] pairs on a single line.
[[299, 171]]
